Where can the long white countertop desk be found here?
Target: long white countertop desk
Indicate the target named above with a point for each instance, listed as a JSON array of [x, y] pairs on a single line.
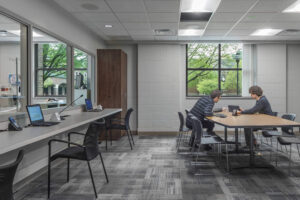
[[12, 140]]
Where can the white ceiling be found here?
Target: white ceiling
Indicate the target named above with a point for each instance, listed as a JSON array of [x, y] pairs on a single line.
[[136, 20]]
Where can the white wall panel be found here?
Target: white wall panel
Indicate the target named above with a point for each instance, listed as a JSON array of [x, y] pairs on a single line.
[[158, 87], [293, 80], [271, 74]]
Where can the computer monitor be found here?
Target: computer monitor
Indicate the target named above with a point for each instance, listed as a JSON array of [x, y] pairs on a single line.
[[35, 113], [88, 104]]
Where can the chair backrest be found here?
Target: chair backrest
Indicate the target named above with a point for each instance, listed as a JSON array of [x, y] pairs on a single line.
[[197, 128], [187, 112], [289, 116], [91, 141], [7, 174], [127, 117], [181, 121]]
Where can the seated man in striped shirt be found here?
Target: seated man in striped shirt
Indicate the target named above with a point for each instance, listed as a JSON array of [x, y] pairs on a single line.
[[204, 108]]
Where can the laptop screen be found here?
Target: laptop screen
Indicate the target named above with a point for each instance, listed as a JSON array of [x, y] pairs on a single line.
[[88, 104], [233, 107], [35, 113]]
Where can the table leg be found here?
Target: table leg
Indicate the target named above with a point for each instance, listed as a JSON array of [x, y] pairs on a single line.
[[251, 149], [252, 156], [225, 136], [236, 140]]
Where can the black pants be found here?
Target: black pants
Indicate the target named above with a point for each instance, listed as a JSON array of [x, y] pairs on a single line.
[[205, 124], [247, 132]]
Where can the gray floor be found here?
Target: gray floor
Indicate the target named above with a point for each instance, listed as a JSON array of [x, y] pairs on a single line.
[[154, 170]]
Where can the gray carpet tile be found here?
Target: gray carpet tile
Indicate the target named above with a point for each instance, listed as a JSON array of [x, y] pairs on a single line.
[[154, 170]]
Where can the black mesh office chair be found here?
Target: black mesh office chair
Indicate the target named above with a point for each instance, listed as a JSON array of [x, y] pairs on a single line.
[[285, 131], [87, 151], [7, 174], [182, 130], [202, 138], [122, 124]]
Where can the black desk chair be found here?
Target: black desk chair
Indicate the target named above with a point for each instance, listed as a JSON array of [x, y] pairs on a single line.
[[7, 174], [87, 151], [182, 130], [122, 124], [285, 131], [203, 138]]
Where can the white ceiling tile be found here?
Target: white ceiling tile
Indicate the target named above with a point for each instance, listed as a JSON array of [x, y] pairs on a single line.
[[162, 5], [141, 32], [120, 38], [189, 38], [248, 25], [220, 25], [139, 19], [285, 25], [115, 32], [167, 38], [192, 25], [272, 5], [142, 37], [96, 17], [137, 26], [132, 17], [215, 32], [76, 5], [226, 17], [238, 32], [173, 26], [127, 5], [258, 17], [235, 5], [163, 17], [286, 17]]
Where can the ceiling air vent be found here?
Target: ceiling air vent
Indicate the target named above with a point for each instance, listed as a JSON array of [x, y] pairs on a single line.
[[160, 32]]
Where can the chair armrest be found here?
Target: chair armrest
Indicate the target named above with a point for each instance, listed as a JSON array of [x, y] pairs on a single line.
[[66, 142]]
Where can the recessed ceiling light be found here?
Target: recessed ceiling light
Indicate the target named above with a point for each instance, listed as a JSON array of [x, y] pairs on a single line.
[[266, 32], [190, 32], [295, 7], [199, 5], [108, 26]]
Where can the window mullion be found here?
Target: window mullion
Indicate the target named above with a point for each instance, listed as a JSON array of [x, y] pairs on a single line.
[[219, 69], [70, 78]]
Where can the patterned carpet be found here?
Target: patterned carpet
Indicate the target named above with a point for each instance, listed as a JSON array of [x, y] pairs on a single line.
[[154, 170]]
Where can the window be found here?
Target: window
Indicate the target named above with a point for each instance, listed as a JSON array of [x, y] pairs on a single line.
[[13, 72], [50, 70], [212, 66], [82, 75]]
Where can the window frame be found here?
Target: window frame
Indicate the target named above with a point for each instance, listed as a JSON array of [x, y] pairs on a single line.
[[35, 70], [219, 70], [28, 73]]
